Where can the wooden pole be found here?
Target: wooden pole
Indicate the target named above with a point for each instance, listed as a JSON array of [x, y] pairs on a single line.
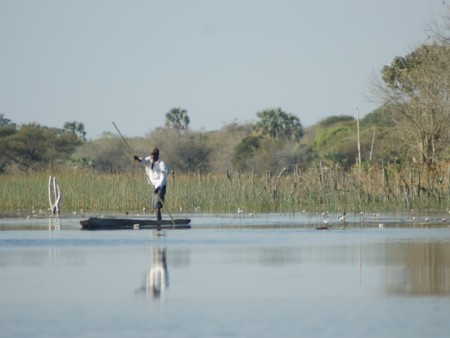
[[372, 145], [359, 140]]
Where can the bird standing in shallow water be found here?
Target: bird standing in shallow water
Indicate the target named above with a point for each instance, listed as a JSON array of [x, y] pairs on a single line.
[[342, 218]]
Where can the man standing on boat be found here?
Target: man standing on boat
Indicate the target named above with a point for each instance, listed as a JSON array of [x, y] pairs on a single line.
[[156, 172]]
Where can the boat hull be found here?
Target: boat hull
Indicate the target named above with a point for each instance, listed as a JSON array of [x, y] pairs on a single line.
[[112, 223]]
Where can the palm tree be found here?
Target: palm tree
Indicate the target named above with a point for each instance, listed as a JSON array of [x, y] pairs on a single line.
[[178, 119], [276, 123], [4, 121], [77, 128]]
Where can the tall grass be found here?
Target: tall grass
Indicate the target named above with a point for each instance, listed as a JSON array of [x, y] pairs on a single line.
[[319, 189]]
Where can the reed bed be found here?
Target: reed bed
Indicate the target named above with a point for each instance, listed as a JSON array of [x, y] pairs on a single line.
[[319, 189]]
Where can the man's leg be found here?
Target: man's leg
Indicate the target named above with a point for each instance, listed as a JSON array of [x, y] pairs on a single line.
[[158, 214], [157, 206], [158, 200]]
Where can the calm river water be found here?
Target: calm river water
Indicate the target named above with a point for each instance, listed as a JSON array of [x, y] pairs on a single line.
[[224, 281]]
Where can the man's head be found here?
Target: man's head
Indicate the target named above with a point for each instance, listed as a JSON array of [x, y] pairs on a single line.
[[155, 154]]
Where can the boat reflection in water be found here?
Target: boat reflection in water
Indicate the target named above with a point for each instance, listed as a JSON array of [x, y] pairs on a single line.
[[157, 277]]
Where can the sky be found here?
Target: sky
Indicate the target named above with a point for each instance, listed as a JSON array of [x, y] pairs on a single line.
[[132, 61]]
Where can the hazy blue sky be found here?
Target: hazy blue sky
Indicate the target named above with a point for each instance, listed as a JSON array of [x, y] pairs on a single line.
[[131, 61]]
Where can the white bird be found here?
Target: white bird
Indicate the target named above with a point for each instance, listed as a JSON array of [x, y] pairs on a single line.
[[342, 218]]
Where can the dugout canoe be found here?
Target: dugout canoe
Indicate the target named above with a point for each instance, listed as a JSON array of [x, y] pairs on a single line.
[[94, 223]]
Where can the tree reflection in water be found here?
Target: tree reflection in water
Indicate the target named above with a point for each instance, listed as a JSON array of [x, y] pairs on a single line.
[[418, 268]]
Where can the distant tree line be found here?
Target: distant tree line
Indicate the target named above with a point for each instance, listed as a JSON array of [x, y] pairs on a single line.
[[410, 128], [33, 147]]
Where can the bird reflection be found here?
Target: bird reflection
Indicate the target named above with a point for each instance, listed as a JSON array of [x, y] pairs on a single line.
[[54, 223], [157, 277]]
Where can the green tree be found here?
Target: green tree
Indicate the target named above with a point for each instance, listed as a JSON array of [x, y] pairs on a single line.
[[381, 139], [417, 87], [185, 152], [331, 120], [5, 122], [276, 123], [335, 142], [34, 147], [276, 132], [77, 128], [190, 155], [6, 130], [107, 154], [223, 142], [177, 119], [276, 155], [244, 151]]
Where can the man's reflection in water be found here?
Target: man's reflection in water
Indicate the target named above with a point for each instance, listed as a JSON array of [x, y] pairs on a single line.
[[157, 278]]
